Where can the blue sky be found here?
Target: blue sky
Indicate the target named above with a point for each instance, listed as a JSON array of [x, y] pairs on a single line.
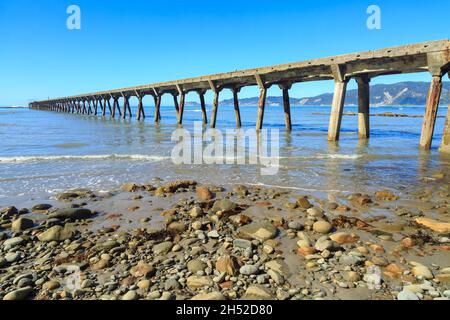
[[125, 43]]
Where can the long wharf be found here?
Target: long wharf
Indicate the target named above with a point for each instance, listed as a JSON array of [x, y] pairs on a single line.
[[432, 57]]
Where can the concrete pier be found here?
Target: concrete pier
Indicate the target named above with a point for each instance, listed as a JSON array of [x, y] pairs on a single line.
[[432, 57]]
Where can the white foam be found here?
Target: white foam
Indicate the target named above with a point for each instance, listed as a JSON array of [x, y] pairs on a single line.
[[140, 157]]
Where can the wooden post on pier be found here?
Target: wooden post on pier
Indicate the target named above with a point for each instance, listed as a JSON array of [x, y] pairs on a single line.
[[201, 94], [175, 102], [126, 106], [340, 88], [363, 106], [261, 103], [141, 112], [286, 105], [237, 111]]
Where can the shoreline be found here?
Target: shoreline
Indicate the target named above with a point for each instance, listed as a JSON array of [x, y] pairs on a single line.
[[183, 240]]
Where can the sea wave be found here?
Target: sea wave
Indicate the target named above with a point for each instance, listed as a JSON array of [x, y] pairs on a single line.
[[135, 157]]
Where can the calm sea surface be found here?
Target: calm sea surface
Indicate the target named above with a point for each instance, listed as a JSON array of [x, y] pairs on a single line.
[[45, 152]]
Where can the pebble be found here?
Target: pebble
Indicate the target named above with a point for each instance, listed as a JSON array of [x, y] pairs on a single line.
[[12, 256], [196, 265], [422, 271], [11, 243], [249, 269], [22, 224], [19, 294], [162, 248], [213, 234], [407, 295], [242, 243], [322, 226], [130, 295]]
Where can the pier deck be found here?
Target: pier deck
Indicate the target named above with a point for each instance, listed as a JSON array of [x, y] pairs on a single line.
[[432, 57]]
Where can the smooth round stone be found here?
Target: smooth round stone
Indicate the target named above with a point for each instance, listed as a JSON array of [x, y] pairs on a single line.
[[213, 234], [315, 212], [12, 256], [130, 295], [249, 269], [407, 295], [322, 227]]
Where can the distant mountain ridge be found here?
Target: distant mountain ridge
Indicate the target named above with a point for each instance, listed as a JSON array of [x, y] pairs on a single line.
[[398, 94]]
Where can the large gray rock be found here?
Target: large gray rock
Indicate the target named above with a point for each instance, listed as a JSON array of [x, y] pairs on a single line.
[[72, 214], [224, 205], [56, 233], [258, 292], [19, 294], [22, 224], [262, 231], [162, 248]]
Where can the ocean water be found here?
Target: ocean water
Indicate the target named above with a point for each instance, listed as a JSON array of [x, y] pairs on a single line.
[[43, 152]]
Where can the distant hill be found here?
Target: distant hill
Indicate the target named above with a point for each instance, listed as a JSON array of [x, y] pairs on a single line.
[[398, 94]]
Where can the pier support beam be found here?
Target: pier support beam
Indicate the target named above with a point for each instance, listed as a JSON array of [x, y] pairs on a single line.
[[126, 107], [261, 103], [175, 102], [216, 90], [431, 109], [201, 94], [116, 106], [340, 88], [445, 143], [286, 105], [237, 111], [181, 106], [363, 107], [157, 98], [109, 104], [141, 112], [84, 106], [102, 106]]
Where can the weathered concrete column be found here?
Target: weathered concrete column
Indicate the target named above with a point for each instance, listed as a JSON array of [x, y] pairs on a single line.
[[431, 109], [216, 90], [140, 107], [445, 143], [363, 106], [89, 106], [286, 104], [237, 111], [181, 106], [84, 106], [126, 106], [107, 101], [340, 88], [201, 95], [261, 103], [181, 110], [116, 106], [175, 102], [157, 98]]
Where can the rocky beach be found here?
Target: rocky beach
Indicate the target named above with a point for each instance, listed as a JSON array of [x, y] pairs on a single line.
[[187, 240]]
